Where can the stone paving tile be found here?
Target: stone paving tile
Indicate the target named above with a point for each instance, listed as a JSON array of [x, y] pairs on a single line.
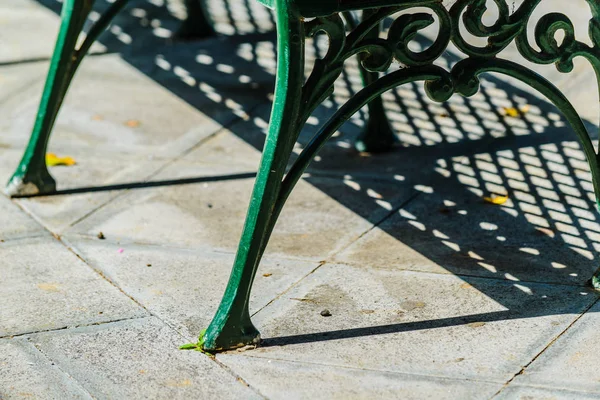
[[138, 359], [570, 362], [94, 181], [328, 382], [45, 287], [210, 213], [183, 287], [16, 224], [15, 79], [410, 322], [111, 109], [26, 373], [24, 24], [547, 231], [518, 392]]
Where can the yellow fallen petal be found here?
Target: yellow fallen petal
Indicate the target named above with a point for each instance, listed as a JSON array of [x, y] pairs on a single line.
[[53, 160], [511, 112], [498, 200]]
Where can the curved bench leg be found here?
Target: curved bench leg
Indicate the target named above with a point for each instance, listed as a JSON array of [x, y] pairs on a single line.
[[31, 176], [197, 25], [378, 135], [231, 327]]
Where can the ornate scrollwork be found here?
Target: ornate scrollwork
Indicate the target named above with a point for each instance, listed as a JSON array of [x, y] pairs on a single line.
[[511, 25]]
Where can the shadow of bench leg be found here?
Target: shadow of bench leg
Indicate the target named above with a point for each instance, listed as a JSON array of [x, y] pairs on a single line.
[[231, 327], [32, 176]]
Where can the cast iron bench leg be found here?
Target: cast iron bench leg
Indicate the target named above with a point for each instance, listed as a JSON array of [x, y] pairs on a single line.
[[32, 176], [378, 135], [231, 327], [197, 24]]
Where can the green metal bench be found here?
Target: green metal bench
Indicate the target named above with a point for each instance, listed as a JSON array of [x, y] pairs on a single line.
[[296, 98]]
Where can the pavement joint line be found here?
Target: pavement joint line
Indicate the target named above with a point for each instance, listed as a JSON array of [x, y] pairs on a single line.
[[408, 374], [550, 387], [489, 278], [57, 366], [64, 328], [545, 348], [35, 60], [238, 377], [69, 236], [10, 240]]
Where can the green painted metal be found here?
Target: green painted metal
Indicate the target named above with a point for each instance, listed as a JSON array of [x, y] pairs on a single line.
[[32, 176], [231, 326]]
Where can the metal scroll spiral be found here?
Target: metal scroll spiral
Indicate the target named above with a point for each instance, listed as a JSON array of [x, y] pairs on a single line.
[[463, 78]]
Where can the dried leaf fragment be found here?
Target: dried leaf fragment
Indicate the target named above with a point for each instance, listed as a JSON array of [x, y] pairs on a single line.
[[132, 123], [53, 160]]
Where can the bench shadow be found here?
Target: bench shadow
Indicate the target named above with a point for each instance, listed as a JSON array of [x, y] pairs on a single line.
[[504, 140]]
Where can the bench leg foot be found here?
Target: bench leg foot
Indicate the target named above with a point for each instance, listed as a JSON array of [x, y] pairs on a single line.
[[31, 176], [231, 327], [595, 281]]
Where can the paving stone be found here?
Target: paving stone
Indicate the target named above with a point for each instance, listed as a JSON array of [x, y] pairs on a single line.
[[210, 213], [426, 324], [569, 363], [16, 224], [112, 109], [138, 359], [518, 392], [332, 382], [26, 373], [86, 186], [183, 287], [45, 287], [16, 78], [546, 231], [24, 23]]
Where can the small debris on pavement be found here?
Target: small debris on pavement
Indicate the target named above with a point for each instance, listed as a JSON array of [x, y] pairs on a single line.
[[120, 251], [132, 123], [267, 275], [476, 324], [148, 265], [325, 313], [101, 236]]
